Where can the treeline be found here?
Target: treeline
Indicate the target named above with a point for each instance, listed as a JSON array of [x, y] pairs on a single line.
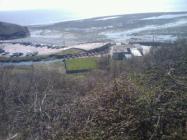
[[142, 98]]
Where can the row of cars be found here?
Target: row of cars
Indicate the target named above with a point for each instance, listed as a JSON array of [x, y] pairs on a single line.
[[2, 52], [37, 45], [17, 54]]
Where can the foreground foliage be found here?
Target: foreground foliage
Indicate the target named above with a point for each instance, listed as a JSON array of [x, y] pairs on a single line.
[[81, 63], [139, 99]]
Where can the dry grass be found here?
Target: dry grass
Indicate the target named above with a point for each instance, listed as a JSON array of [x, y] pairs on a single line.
[[145, 103]]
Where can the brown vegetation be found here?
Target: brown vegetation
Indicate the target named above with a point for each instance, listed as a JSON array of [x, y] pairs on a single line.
[[142, 98]]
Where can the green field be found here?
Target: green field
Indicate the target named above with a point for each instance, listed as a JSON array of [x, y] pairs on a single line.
[[81, 63], [70, 51]]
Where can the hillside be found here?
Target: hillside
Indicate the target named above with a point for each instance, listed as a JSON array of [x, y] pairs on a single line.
[[163, 27], [166, 27], [139, 99], [12, 31]]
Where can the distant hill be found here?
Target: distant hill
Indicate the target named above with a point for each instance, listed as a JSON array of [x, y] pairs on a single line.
[[12, 31], [166, 27]]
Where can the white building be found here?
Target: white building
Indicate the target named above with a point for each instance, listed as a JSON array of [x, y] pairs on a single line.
[[126, 51]]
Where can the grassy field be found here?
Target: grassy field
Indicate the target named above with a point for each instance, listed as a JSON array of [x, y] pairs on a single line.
[[56, 67], [81, 63], [70, 51]]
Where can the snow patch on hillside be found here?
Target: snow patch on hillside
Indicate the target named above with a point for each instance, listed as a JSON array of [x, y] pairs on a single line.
[[128, 34], [171, 16], [46, 34], [107, 18]]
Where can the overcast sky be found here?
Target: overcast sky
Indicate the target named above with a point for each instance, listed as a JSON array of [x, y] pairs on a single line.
[[89, 8]]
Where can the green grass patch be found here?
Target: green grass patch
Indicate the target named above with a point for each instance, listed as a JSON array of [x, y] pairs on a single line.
[[56, 67], [70, 51], [81, 64]]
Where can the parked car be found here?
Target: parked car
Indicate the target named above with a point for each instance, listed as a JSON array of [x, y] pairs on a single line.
[[5, 53], [2, 51], [16, 54]]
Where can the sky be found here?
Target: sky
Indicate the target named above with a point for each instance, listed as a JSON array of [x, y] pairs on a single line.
[[92, 8]]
